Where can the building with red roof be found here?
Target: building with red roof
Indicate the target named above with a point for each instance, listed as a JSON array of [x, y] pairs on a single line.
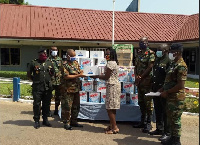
[[26, 28]]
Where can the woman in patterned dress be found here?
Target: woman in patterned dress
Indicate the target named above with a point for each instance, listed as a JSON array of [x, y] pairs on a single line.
[[113, 89]]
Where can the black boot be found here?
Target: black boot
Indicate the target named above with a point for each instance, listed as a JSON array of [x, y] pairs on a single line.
[[67, 127], [164, 137], [168, 141], [46, 122], [56, 112], [176, 141], [37, 125], [141, 124], [147, 128], [156, 132], [49, 114]]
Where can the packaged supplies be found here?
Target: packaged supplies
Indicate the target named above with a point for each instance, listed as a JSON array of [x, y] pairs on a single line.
[[83, 96], [103, 98], [134, 99], [123, 75], [87, 86], [101, 86], [94, 97], [82, 54], [123, 98], [91, 70], [101, 62], [86, 62], [96, 54], [128, 87]]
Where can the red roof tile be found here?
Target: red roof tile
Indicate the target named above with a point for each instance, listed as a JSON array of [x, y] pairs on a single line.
[[190, 29], [21, 21]]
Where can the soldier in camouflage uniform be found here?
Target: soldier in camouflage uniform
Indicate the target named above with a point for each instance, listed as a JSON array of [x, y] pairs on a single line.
[[174, 93], [57, 62], [70, 87], [40, 71], [143, 66], [158, 77]]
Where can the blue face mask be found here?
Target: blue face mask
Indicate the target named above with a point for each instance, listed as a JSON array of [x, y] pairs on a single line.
[[159, 54], [72, 58]]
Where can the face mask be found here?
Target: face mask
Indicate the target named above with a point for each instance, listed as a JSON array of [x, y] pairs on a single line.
[[142, 45], [107, 56], [159, 54], [72, 58], [171, 56], [42, 57], [54, 53]]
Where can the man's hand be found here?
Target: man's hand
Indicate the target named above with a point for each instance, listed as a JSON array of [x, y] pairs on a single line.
[[164, 94]]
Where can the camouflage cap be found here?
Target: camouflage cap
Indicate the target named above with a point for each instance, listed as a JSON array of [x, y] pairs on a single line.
[[176, 47], [42, 50]]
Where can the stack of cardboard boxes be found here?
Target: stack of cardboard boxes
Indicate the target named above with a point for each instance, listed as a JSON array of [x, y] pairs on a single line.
[[95, 90]]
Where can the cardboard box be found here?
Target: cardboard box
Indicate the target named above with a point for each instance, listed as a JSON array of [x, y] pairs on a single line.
[[123, 98], [82, 54], [91, 70], [86, 62], [123, 76], [87, 86], [101, 70], [101, 86], [96, 54], [124, 56], [131, 76], [124, 50], [128, 87], [103, 98], [94, 97], [125, 62], [101, 62], [83, 96], [134, 99]]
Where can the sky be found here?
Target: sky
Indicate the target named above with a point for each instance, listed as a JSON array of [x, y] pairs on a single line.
[[186, 7]]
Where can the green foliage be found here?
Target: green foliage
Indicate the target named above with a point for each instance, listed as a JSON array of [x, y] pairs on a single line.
[[7, 89], [191, 105], [192, 83], [19, 2], [12, 74]]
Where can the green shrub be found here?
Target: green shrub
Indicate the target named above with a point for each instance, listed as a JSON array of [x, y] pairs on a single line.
[[191, 105], [12, 74]]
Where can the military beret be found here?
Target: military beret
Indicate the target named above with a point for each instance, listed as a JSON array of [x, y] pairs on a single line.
[[176, 47], [42, 50]]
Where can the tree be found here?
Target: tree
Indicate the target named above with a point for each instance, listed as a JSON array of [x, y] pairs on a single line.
[[19, 2]]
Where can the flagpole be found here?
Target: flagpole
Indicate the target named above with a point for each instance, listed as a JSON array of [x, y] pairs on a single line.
[[113, 27]]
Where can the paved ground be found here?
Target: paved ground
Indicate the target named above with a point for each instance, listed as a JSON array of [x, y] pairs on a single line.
[[16, 128]]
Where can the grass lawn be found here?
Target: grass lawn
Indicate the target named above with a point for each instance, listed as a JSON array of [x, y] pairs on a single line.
[[192, 83], [6, 88]]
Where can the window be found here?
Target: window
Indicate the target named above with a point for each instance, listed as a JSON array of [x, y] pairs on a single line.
[[10, 56]]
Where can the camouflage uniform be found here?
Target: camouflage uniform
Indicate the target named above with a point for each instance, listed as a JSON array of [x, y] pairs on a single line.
[[145, 103], [70, 99], [175, 101], [41, 74], [158, 78], [57, 62]]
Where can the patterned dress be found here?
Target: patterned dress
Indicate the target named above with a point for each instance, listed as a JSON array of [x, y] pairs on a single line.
[[113, 86]]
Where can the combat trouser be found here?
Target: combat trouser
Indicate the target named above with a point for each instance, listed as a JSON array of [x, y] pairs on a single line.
[[174, 112], [145, 103], [38, 96], [70, 103], [57, 96]]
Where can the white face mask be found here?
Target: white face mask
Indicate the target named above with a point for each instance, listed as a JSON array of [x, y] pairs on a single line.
[[171, 56], [54, 53]]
